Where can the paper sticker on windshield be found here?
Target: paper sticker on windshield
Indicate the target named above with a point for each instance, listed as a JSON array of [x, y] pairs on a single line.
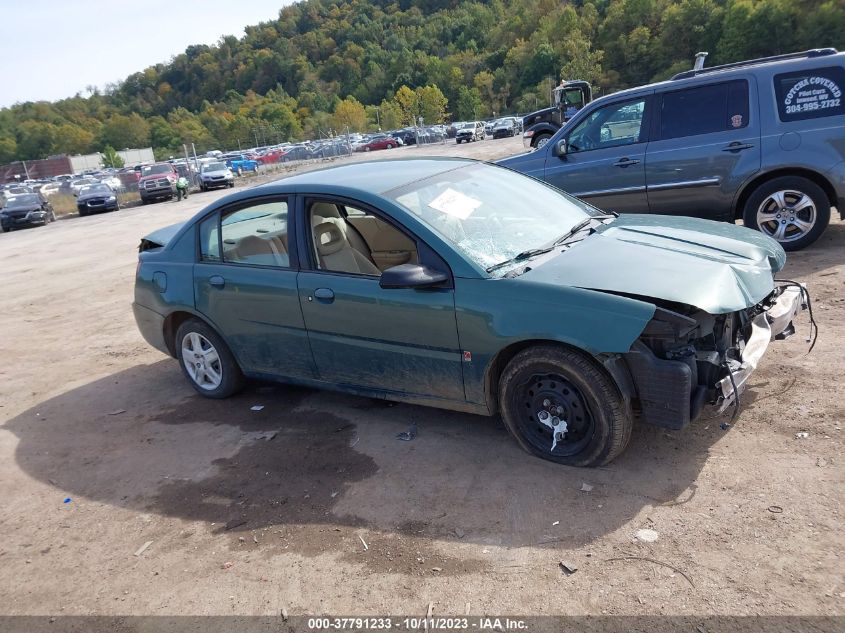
[[455, 203]]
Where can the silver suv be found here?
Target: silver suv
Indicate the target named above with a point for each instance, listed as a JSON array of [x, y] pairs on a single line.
[[762, 140]]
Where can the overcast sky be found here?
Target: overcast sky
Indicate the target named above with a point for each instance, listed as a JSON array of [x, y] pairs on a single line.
[[50, 49]]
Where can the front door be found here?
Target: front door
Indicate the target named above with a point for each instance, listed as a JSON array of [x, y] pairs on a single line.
[[245, 283], [396, 340], [705, 145], [605, 159]]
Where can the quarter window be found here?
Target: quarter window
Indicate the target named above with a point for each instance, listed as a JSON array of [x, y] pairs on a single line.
[[610, 126], [810, 94], [256, 235], [704, 110]]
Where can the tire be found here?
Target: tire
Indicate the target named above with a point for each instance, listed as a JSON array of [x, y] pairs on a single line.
[[219, 378], [458, 141], [366, 149], [231, 185], [389, 146], [240, 171], [558, 381], [144, 201], [763, 211], [82, 213], [540, 139]]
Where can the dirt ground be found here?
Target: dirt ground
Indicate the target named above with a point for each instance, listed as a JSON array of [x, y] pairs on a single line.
[[104, 447]]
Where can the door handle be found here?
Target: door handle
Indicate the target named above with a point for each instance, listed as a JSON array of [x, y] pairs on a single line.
[[217, 281], [324, 295], [736, 146], [625, 162]]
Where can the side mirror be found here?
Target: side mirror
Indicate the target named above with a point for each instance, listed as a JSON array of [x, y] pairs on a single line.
[[411, 276], [560, 148]]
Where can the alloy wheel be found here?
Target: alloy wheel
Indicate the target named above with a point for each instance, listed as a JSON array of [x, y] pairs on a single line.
[[202, 362], [786, 215]]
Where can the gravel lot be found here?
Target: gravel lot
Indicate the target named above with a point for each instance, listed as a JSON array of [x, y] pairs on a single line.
[[750, 519]]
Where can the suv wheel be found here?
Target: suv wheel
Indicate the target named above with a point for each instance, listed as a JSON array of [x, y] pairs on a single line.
[[791, 209], [541, 139]]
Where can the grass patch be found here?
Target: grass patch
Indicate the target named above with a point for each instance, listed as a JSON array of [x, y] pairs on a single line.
[[65, 203]]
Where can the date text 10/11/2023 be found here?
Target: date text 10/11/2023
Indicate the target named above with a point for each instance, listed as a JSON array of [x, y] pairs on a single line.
[[417, 623]]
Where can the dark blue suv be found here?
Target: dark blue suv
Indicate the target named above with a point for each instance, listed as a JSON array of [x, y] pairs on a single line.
[[762, 140]]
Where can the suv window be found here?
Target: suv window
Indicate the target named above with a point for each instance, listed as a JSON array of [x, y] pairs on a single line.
[[615, 124], [256, 235], [810, 94], [704, 109]]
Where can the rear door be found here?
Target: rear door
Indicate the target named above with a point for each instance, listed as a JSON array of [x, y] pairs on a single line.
[[246, 284], [705, 144], [605, 159]]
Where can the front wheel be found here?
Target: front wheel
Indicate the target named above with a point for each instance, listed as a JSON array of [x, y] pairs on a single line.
[[206, 360], [540, 139], [560, 406], [791, 209]]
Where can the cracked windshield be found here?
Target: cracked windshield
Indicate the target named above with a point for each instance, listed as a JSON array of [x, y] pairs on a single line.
[[481, 210]]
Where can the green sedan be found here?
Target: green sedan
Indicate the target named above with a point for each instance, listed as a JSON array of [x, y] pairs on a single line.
[[467, 286]]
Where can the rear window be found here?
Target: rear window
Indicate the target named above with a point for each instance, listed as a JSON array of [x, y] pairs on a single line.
[[810, 94], [704, 110]]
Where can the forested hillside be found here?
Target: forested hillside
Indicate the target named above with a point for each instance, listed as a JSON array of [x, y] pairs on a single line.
[[326, 64]]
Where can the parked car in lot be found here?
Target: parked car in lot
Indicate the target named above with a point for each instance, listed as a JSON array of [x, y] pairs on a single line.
[[462, 285], [759, 140], [26, 209], [382, 141], [216, 174], [96, 198], [240, 163], [503, 128], [157, 182], [470, 131]]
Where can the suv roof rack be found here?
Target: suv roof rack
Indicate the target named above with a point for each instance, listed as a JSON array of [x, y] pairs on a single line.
[[815, 52]]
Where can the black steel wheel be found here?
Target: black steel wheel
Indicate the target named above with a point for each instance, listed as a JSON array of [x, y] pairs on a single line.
[[560, 405]]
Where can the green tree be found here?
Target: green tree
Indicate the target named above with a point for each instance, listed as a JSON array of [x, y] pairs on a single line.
[[431, 104], [406, 100], [349, 113], [8, 149], [72, 139], [468, 105], [111, 158], [126, 131]]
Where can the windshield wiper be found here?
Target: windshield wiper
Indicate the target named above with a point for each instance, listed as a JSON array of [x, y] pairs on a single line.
[[520, 257], [580, 227]]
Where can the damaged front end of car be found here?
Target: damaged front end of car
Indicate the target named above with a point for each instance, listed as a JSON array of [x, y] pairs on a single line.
[[687, 360]]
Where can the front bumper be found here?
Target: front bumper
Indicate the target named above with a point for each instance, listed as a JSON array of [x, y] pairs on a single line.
[[217, 182], [774, 323], [672, 391], [33, 218]]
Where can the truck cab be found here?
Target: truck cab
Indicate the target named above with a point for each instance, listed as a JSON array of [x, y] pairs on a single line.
[[569, 98]]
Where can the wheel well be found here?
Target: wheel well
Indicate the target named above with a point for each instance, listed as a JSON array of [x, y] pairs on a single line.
[[171, 325], [817, 178], [506, 354]]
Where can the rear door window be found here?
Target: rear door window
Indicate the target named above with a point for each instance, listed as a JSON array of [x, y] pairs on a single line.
[[704, 110], [810, 94]]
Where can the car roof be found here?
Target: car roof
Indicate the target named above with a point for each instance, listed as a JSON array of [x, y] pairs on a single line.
[[371, 176], [685, 79]]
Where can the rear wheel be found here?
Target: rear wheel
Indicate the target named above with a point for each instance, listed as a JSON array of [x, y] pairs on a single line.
[[206, 360], [559, 405], [791, 209]]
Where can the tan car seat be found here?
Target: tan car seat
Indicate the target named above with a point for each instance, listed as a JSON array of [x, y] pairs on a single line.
[[255, 250], [337, 254], [327, 212]]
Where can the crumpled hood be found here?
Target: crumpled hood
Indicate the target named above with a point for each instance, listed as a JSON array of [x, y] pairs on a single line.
[[163, 235], [714, 266]]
